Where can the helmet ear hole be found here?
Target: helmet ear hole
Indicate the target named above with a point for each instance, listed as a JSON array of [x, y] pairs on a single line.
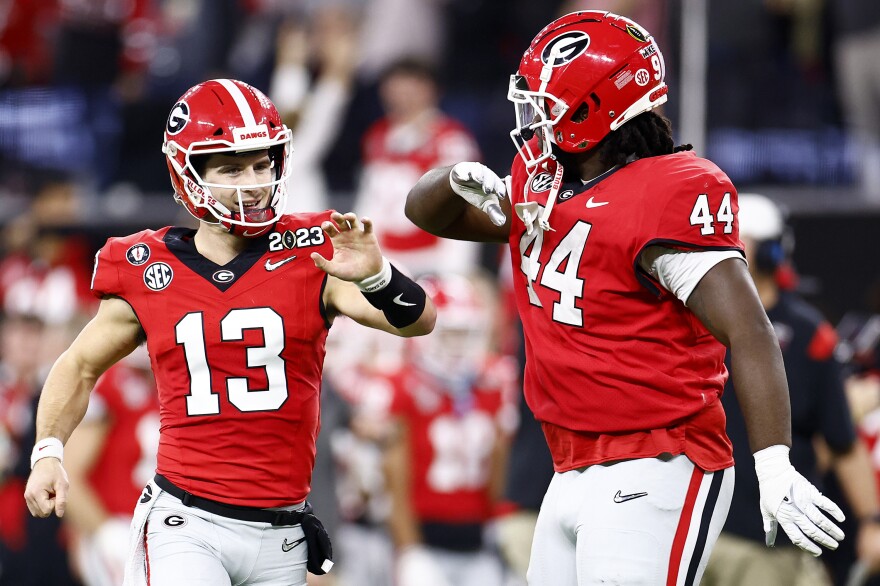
[[581, 113], [218, 132], [276, 155]]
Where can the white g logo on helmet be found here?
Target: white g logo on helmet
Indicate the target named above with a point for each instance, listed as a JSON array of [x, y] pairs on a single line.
[[178, 118], [567, 46]]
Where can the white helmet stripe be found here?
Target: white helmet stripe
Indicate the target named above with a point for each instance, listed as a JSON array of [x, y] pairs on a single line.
[[244, 108]]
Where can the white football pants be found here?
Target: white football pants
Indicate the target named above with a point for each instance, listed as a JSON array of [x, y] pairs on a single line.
[[650, 521], [186, 545]]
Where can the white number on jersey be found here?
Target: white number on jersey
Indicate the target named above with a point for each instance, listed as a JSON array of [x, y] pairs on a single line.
[[191, 335], [566, 281], [461, 448], [303, 237], [725, 213], [702, 216]]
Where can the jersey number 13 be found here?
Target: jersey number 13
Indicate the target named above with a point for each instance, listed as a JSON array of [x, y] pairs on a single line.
[[190, 332]]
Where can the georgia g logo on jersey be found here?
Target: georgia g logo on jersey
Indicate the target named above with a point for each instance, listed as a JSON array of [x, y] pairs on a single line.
[[178, 118], [569, 45]]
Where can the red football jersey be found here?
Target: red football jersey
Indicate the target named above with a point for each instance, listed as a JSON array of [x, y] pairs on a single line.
[[869, 431], [610, 355], [394, 163], [128, 456], [452, 440], [237, 351]]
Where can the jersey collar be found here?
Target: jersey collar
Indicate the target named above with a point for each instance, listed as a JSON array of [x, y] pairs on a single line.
[[182, 245]]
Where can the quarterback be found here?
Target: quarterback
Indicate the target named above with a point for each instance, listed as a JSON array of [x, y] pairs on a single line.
[[630, 281], [235, 315]]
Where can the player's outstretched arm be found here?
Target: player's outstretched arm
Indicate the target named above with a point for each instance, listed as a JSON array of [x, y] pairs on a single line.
[[727, 303], [464, 202], [112, 334], [364, 286]]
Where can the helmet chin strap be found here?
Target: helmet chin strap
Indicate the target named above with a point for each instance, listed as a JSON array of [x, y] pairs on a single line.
[[529, 211], [544, 220]]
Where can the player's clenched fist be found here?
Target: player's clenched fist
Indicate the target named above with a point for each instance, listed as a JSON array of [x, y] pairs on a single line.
[[47, 488]]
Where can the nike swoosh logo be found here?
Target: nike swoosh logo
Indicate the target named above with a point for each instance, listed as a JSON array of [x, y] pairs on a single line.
[[622, 498], [400, 301], [596, 204], [288, 546], [271, 266]]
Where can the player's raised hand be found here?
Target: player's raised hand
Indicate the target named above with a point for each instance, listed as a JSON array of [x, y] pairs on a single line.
[[478, 185], [46, 490], [356, 253], [790, 500]]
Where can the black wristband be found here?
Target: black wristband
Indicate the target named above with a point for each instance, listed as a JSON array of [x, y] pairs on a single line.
[[401, 300]]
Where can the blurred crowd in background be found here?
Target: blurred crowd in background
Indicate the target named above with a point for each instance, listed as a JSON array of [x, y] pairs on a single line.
[[378, 92]]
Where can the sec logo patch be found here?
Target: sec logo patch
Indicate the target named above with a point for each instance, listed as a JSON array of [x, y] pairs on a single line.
[[158, 275], [542, 182]]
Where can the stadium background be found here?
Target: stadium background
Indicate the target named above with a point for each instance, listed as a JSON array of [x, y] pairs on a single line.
[[86, 87]]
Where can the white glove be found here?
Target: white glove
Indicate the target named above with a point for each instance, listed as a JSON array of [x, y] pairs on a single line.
[[790, 500], [417, 567], [481, 187]]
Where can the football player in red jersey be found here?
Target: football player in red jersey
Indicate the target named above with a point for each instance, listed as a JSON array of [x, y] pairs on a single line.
[[109, 458], [452, 405], [630, 281], [235, 315], [412, 137]]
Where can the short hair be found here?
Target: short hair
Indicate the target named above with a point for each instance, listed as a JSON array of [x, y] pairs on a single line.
[[413, 67]]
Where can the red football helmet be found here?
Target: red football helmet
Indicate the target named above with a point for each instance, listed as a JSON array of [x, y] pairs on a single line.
[[584, 75], [226, 115], [457, 349]]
